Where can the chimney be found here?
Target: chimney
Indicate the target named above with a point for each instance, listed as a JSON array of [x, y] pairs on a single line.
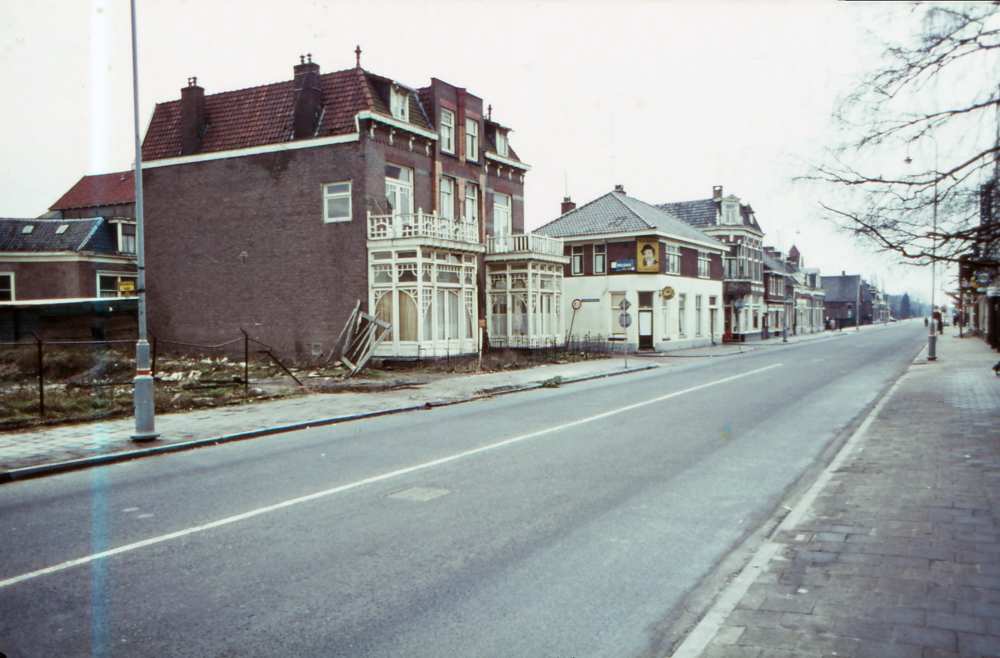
[[192, 117], [308, 98], [619, 189], [843, 272], [716, 192], [567, 205]]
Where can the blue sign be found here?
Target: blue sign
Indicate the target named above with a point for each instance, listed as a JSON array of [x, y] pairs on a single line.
[[623, 265]]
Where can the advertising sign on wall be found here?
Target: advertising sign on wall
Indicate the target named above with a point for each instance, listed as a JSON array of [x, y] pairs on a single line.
[[648, 255]]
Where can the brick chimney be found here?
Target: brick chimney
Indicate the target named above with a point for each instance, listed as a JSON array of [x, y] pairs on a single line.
[[619, 189], [567, 205], [308, 99], [192, 117], [716, 192]]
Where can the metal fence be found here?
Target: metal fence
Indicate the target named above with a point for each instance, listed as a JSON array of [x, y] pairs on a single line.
[[32, 368]]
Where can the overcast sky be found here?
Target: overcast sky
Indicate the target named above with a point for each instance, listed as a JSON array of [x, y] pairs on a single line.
[[666, 99]]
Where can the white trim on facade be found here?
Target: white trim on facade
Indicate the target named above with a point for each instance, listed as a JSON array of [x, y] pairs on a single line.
[[64, 257], [266, 148], [490, 155]]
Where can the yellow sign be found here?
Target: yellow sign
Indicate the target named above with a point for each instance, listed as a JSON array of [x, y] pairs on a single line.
[[668, 293], [126, 286], [647, 256]]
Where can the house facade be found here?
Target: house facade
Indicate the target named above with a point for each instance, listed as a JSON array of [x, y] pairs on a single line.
[[778, 293], [277, 208], [59, 259], [734, 224], [843, 299], [638, 273]]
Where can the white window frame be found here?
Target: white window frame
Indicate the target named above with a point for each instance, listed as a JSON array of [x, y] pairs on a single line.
[[502, 215], [471, 139], [681, 310], [117, 276], [673, 259], [446, 200], [577, 260], [697, 315], [401, 188], [400, 104], [471, 205], [340, 194], [447, 131], [730, 213], [11, 288], [600, 258], [121, 238], [704, 265], [503, 147]]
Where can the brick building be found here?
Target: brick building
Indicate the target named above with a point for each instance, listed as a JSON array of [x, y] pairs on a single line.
[[734, 224], [276, 208], [622, 249]]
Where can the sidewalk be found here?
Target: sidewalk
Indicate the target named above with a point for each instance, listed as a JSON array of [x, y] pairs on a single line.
[[43, 450], [898, 555]]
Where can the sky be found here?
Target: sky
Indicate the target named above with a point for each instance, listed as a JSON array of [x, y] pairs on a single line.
[[666, 99]]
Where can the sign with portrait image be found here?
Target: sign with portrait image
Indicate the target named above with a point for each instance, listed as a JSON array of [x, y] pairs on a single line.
[[647, 256]]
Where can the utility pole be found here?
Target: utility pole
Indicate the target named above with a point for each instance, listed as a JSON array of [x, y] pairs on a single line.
[[144, 385]]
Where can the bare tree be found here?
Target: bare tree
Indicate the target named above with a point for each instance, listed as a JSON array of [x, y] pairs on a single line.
[[933, 96]]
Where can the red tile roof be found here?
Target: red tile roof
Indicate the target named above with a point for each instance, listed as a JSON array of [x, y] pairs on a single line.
[[101, 190], [263, 115]]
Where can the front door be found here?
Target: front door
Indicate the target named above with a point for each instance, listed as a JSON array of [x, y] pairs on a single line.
[[645, 329]]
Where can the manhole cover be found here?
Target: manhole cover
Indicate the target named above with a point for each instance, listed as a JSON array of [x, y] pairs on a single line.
[[792, 537], [419, 493]]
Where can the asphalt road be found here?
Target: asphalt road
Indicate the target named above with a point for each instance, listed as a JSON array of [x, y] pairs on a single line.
[[563, 522]]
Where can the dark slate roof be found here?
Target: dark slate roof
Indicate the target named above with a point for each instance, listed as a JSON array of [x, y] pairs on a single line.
[[263, 115], [100, 190], [700, 213], [841, 288], [94, 235], [617, 213], [776, 265]]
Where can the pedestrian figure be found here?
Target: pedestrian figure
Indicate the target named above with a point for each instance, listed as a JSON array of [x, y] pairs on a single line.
[[925, 322], [996, 369]]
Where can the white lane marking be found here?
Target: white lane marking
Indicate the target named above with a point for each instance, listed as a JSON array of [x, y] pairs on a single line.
[[709, 626], [360, 483]]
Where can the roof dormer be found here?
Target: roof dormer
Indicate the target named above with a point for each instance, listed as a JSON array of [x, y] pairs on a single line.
[[399, 103]]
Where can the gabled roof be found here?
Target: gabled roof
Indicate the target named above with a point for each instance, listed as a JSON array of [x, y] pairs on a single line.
[[617, 213], [263, 115], [776, 265], [99, 190], [841, 288], [93, 235], [704, 213]]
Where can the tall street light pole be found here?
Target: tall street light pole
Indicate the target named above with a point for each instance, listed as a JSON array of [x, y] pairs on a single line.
[[143, 385], [932, 337]]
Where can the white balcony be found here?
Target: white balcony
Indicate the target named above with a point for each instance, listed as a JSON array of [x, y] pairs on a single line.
[[529, 245], [421, 225]]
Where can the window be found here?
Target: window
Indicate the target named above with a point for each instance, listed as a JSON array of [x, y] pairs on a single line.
[[729, 214], [447, 131], [704, 265], [697, 315], [681, 299], [399, 189], [471, 203], [62, 229], [673, 259], [471, 139], [337, 202], [578, 260], [28, 229], [502, 149], [447, 204], [501, 214], [126, 238], [7, 287], [600, 258], [111, 285], [400, 105]]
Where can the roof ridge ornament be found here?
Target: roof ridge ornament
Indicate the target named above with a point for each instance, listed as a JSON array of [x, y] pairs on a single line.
[[357, 54]]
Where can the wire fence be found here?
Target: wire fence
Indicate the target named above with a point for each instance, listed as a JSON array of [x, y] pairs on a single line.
[[86, 379]]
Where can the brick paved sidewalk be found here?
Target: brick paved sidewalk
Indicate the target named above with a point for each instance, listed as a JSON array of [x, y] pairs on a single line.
[[899, 554]]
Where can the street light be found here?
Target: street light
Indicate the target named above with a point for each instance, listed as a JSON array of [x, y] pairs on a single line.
[[143, 386], [932, 337]]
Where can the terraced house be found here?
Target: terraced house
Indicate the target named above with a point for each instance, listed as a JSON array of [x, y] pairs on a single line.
[[276, 208]]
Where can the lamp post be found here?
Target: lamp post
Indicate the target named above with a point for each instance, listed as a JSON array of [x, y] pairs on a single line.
[[932, 336], [143, 384]]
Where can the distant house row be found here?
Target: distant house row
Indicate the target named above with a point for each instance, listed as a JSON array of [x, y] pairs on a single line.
[[275, 209]]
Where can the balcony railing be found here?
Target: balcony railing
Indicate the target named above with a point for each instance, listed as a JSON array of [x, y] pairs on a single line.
[[512, 244], [421, 225]]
